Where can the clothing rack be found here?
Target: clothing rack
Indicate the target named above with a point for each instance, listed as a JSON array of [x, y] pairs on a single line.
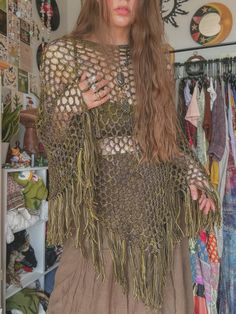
[[203, 47], [221, 67], [227, 61]]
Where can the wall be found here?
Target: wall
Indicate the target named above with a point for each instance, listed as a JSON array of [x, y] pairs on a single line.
[[181, 38], [73, 8], [34, 43]]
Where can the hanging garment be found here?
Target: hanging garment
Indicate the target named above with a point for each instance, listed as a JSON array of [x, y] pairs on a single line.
[[218, 140], [207, 121], [227, 287], [99, 189], [201, 138]]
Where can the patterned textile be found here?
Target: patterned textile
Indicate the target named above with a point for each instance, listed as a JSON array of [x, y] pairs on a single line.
[[15, 198], [227, 288], [205, 271]]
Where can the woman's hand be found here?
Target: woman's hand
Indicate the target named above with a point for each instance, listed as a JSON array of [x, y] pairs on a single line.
[[95, 91], [206, 204]]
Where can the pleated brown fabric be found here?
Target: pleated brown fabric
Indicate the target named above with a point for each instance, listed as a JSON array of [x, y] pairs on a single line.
[[79, 291]]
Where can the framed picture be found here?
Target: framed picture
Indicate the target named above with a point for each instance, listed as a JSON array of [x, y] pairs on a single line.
[[3, 47], [3, 22], [23, 81], [24, 32], [3, 5]]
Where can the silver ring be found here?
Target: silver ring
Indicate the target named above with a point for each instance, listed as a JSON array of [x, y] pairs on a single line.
[[94, 87], [92, 79]]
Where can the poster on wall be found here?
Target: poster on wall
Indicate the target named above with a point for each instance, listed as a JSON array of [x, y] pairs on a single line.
[[3, 22], [6, 95], [34, 85], [25, 9], [25, 32], [23, 81], [26, 57], [10, 77], [13, 52], [13, 6], [13, 27], [3, 5], [3, 47]]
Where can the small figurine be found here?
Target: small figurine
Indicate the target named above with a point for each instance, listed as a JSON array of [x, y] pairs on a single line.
[[18, 158]]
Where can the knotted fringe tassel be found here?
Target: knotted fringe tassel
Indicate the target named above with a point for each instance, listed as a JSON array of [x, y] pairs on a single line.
[[139, 269], [72, 213], [143, 273]]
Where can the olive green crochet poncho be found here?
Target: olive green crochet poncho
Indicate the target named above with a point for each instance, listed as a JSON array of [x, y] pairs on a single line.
[[98, 187]]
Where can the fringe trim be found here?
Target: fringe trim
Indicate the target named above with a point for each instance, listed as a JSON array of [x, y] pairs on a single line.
[[137, 269]]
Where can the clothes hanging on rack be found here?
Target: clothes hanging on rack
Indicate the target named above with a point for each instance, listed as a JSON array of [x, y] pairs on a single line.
[[227, 287], [207, 114]]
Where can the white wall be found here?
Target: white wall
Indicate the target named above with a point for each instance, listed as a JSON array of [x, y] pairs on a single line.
[[181, 38], [73, 8]]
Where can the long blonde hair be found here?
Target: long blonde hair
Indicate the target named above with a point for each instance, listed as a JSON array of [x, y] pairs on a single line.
[[156, 119]]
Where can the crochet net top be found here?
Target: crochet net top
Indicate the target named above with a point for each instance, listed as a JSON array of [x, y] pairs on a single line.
[[98, 187]]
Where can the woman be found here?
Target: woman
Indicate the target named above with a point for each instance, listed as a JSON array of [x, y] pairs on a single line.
[[123, 184]]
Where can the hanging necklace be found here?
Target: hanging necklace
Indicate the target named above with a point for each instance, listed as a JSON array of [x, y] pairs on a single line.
[[120, 80]]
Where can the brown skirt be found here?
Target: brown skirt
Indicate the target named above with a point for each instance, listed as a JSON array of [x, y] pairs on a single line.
[[79, 291]]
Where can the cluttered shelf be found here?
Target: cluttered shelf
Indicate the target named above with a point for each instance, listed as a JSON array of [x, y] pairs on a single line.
[[26, 280]]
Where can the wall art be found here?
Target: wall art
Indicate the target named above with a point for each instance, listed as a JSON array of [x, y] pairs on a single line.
[[3, 22], [13, 27], [13, 6], [170, 9], [3, 5], [49, 13], [25, 10], [6, 95], [23, 81], [26, 57], [13, 52], [10, 77], [3, 47], [211, 24], [34, 85], [25, 32]]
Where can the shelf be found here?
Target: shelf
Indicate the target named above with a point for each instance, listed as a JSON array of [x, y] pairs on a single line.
[[51, 268], [24, 169], [38, 222], [26, 280]]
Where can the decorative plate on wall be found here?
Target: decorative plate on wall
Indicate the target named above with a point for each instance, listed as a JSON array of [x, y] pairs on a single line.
[[211, 24], [49, 6]]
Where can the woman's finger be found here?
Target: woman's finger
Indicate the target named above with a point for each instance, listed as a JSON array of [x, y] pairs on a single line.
[[101, 84], [207, 207], [101, 101], [203, 196], [102, 93], [194, 192], [213, 207], [84, 83], [203, 204]]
